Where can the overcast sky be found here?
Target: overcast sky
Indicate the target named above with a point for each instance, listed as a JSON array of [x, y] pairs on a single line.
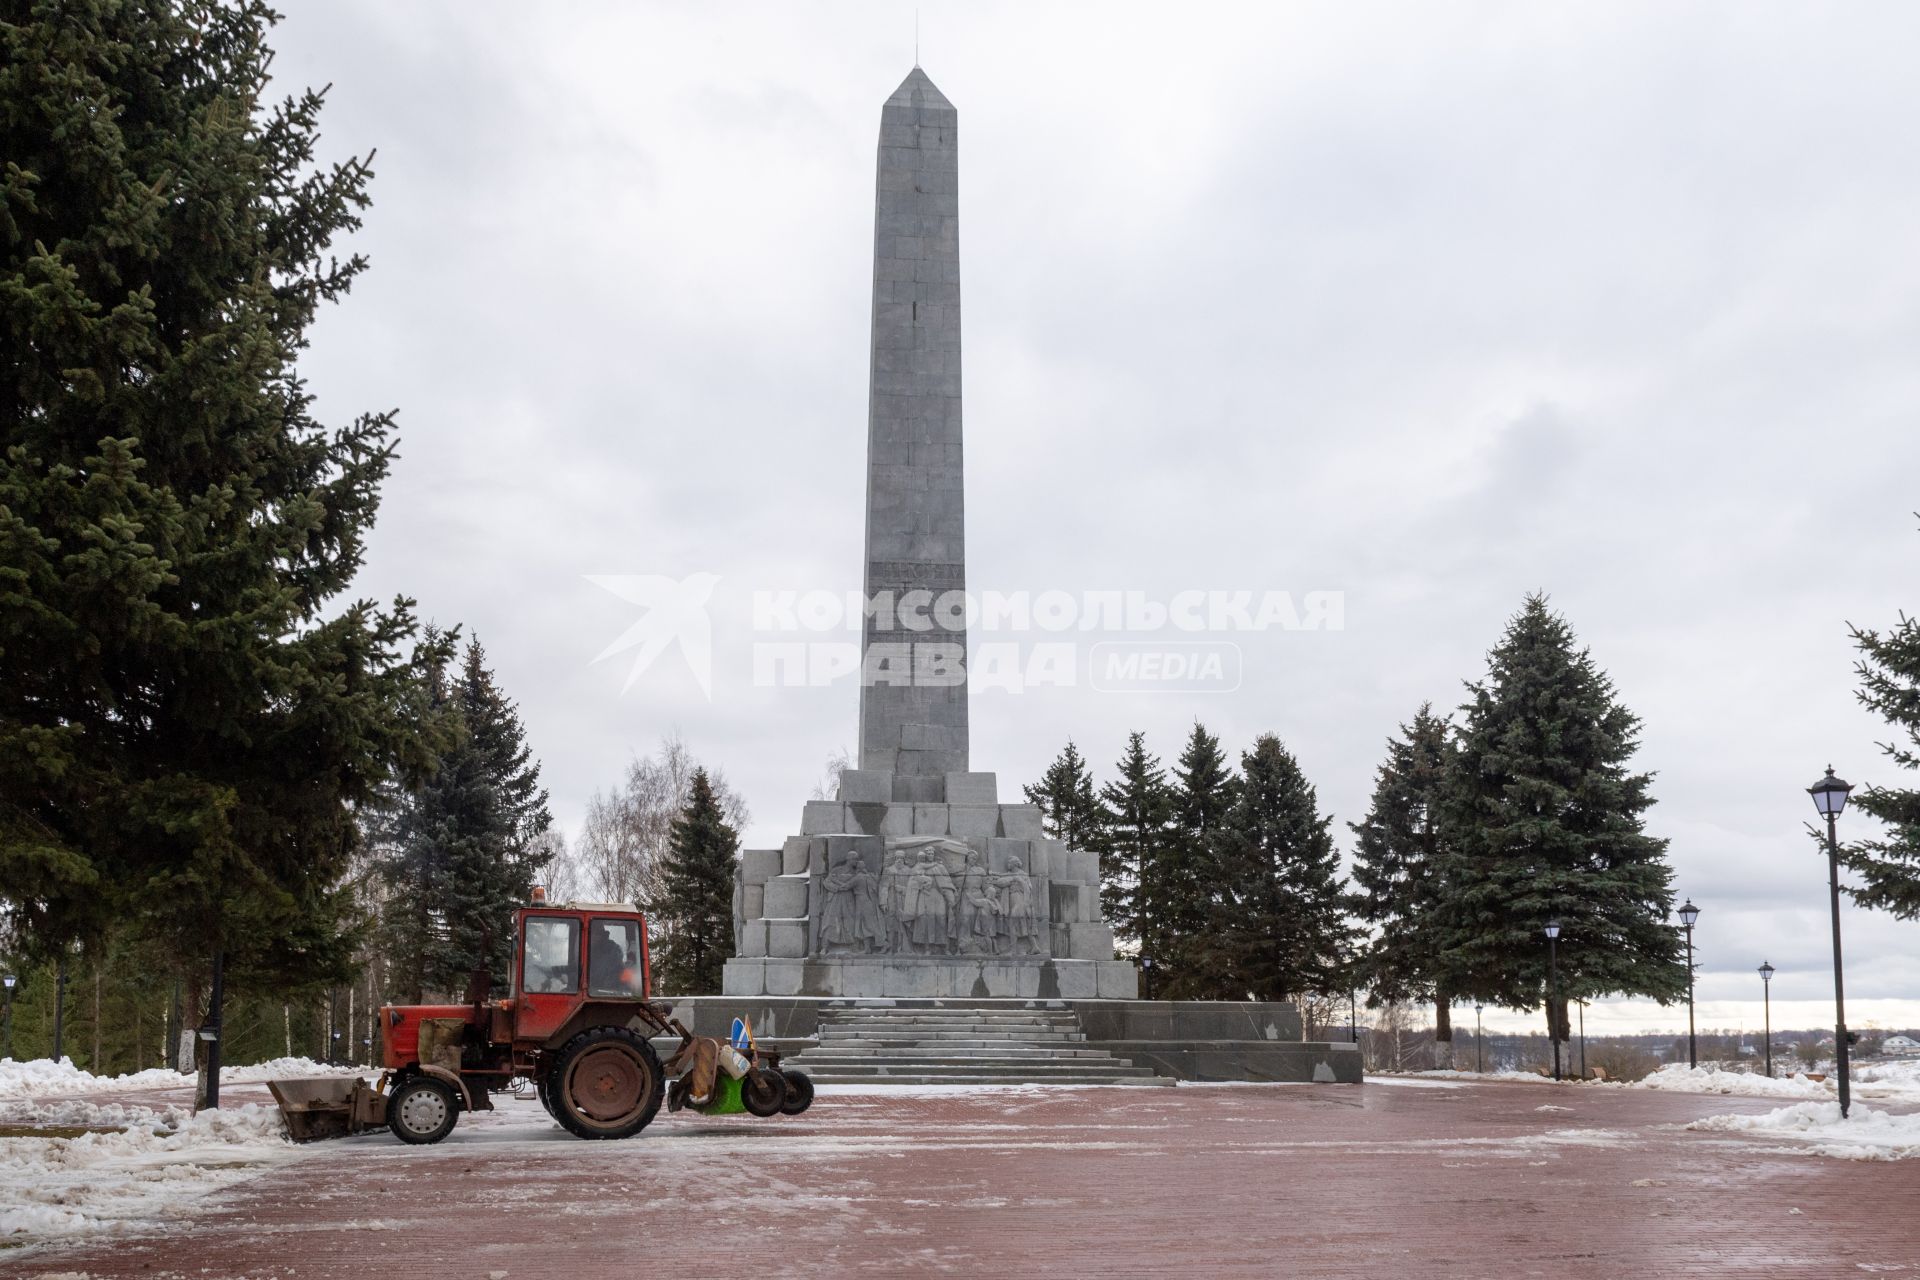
[[1428, 305]]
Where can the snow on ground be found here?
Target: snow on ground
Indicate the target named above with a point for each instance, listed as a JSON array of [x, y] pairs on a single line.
[[1865, 1134], [141, 1168], [1897, 1082], [45, 1078]]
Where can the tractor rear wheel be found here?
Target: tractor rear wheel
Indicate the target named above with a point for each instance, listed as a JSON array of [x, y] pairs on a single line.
[[606, 1083], [763, 1092], [422, 1110]]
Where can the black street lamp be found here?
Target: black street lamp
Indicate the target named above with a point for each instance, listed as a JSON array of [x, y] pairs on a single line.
[[1583, 1039], [9, 980], [59, 1004], [1553, 986], [1688, 914], [1766, 1003], [1146, 971], [1830, 797], [1479, 1042], [1353, 1016]]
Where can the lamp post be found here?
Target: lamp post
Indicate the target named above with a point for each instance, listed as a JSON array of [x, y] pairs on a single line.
[[1479, 1042], [1146, 971], [1583, 1039], [1766, 1004], [1688, 914], [59, 1003], [1553, 985], [1830, 797], [1353, 1016], [9, 980]]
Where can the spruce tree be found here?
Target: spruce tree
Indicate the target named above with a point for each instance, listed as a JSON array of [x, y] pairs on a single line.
[[1279, 924], [695, 910], [1543, 818], [189, 713], [459, 853], [1890, 686], [1134, 831], [1204, 790], [1396, 869], [1069, 810]]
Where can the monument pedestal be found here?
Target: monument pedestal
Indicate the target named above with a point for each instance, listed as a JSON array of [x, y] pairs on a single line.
[[947, 894]]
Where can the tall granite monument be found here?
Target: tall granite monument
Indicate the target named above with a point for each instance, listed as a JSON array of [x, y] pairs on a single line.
[[915, 880]]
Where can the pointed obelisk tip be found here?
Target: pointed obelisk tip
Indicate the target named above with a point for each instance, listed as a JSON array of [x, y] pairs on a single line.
[[917, 90]]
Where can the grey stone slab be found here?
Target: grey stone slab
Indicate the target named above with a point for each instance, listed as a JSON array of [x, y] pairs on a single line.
[[1089, 942], [973, 788], [866, 786], [786, 939], [930, 820], [928, 790], [1021, 821], [784, 977], [1076, 980], [753, 901], [1069, 903], [787, 898], [1117, 979], [753, 938], [973, 820], [898, 820], [823, 817], [743, 977], [757, 866], [793, 855]]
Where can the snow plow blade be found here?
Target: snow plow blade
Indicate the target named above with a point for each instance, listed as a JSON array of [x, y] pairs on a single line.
[[328, 1107]]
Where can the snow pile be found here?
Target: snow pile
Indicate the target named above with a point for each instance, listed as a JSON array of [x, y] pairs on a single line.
[[45, 1078], [149, 1167], [1676, 1078], [1864, 1135], [1879, 1081]]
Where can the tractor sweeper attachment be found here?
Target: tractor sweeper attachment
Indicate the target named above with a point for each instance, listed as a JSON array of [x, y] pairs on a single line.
[[578, 1022]]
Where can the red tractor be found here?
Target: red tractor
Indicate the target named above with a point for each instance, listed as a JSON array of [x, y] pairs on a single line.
[[577, 1023]]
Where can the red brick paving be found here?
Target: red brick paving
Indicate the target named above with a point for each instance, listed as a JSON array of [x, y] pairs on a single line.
[[1380, 1180]]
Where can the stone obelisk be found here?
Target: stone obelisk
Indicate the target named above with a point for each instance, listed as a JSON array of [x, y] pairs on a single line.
[[914, 880], [913, 696]]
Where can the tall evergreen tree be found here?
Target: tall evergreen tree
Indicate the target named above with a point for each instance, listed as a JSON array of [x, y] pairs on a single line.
[[1889, 671], [1204, 790], [188, 713], [696, 904], [1136, 813], [1279, 923], [1069, 810], [1396, 871], [464, 849], [1543, 820]]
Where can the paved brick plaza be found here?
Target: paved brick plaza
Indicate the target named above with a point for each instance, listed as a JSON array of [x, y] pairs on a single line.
[[1380, 1180]]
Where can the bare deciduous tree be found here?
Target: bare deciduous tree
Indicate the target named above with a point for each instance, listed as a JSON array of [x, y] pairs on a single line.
[[829, 785], [624, 838]]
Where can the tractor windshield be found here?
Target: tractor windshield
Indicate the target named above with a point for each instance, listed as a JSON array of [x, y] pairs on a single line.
[[613, 959], [553, 955]]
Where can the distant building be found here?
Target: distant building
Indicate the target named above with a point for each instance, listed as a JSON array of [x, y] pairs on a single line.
[[1900, 1044]]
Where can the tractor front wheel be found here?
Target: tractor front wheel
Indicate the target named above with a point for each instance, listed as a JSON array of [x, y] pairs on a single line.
[[422, 1110], [606, 1083]]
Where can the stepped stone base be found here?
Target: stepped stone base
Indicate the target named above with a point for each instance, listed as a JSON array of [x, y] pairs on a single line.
[[985, 978], [1202, 1040]]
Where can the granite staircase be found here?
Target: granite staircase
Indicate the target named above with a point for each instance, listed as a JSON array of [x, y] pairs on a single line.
[[902, 1044]]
